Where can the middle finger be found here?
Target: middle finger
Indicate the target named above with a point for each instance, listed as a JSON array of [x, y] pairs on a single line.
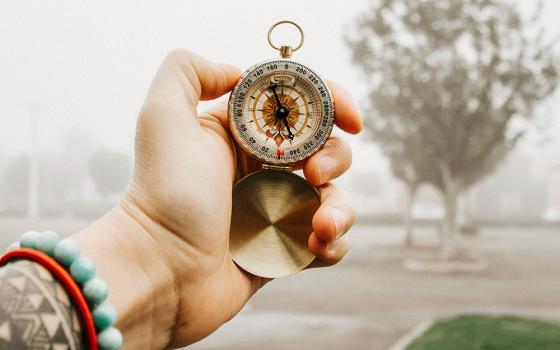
[[328, 163]]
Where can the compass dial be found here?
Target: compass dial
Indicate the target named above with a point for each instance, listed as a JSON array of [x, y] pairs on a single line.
[[281, 112]]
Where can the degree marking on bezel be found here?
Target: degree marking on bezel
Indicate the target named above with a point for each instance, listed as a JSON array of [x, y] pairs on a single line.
[[238, 103]]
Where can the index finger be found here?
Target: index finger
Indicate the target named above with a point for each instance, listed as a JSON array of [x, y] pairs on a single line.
[[182, 80], [347, 114]]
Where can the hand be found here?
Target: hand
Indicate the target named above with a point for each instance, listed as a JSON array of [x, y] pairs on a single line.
[[178, 206]]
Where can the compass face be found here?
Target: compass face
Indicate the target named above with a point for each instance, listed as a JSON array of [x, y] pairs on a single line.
[[281, 112]]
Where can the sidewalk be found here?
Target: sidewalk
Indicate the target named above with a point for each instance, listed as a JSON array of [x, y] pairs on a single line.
[[369, 301]]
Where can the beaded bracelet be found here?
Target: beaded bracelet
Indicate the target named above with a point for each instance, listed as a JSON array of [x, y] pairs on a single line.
[[77, 276]]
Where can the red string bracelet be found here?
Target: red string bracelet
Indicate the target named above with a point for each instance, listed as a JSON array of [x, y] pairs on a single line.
[[69, 285]]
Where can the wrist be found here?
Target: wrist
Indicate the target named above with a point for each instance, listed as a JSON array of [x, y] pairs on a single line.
[[141, 282]]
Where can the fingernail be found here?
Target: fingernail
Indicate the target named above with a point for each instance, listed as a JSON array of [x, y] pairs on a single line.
[[331, 247], [339, 218], [326, 167]]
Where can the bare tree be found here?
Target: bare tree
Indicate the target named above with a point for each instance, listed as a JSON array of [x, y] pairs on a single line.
[[408, 158], [448, 78]]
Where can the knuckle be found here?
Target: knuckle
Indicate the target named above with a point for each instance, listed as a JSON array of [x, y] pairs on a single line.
[[326, 190], [344, 148], [186, 63], [178, 56], [349, 208], [341, 200], [340, 149], [352, 211]]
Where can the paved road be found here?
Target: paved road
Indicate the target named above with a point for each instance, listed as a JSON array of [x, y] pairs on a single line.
[[369, 300]]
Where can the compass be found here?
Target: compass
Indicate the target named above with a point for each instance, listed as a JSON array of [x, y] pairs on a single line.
[[280, 112]]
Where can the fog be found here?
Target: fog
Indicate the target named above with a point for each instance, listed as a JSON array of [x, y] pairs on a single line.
[[73, 68]]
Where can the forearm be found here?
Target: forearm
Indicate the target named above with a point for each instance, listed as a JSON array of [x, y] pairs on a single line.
[[39, 313], [141, 285]]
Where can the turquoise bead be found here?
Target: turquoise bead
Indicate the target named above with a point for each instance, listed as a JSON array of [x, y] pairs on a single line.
[[29, 238], [13, 246], [47, 242], [95, 291], [104, 316], [66, 252], [109, 339], [82, 270]]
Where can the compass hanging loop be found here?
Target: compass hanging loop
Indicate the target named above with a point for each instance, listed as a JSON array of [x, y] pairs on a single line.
[[285, 50]]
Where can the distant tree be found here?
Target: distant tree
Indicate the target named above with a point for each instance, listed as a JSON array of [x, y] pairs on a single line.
[[448, 78], [110, 172], [408, 163]]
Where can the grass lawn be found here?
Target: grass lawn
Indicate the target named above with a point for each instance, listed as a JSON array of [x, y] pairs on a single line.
[[477, 332]]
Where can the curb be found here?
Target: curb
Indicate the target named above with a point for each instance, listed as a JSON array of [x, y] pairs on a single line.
[[409, 337]]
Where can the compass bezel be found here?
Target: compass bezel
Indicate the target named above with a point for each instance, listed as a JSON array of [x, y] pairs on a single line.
[[236, 112]]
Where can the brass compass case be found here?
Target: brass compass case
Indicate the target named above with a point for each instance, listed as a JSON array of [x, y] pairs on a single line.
[[271, 223], [280, 112]]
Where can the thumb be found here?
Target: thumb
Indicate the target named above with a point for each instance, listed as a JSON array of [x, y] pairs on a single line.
[[184, 79], [208, 80]]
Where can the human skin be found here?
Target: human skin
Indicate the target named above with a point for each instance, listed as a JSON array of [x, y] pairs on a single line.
[[163, 250]]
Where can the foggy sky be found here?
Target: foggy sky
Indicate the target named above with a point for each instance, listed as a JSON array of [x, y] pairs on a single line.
[[79, 65]]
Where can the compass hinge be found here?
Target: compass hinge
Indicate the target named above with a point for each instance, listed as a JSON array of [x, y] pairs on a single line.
[[286, 51], [276, 167]]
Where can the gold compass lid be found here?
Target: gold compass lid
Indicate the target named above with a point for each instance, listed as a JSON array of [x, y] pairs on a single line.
[[271, 223]]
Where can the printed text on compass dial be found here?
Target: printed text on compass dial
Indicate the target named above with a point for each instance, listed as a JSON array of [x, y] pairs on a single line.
[[281, 112]]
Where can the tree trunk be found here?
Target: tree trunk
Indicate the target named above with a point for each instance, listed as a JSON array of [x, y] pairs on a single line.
[[449, 234], [450, 196], [466, 216], [407, 217]]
